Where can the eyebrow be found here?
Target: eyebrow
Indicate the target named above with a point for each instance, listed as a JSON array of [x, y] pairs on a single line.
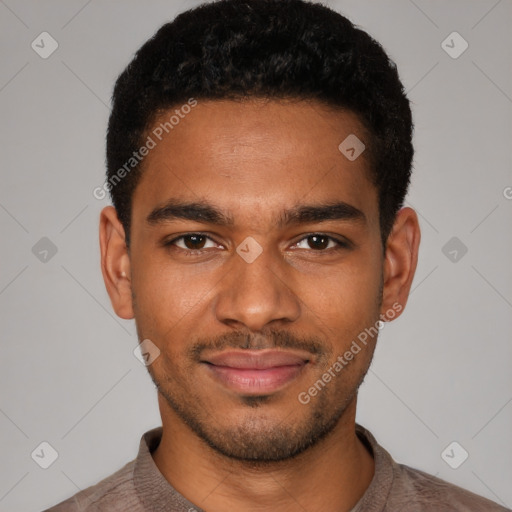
[[207, 213]]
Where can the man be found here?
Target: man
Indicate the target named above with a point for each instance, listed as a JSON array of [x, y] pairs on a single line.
[[259, 153]]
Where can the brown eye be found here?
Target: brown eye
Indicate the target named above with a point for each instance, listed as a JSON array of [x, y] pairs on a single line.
[[194, 241], [318, 241], [191, 242]]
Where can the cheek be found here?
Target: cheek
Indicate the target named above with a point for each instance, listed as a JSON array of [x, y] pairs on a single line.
[[166, 293], [347, 292], [342, 304]]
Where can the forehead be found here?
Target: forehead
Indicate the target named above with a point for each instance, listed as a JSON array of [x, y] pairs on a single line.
[[256, 156]]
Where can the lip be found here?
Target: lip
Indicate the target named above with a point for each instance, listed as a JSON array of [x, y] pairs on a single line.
[[258, 359], [256, 372]]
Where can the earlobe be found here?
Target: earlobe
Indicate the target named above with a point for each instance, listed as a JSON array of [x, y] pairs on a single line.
[[400, 261], [115, 263]]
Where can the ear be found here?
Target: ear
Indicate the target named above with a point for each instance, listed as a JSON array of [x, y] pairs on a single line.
[[400, 262], [115, 263]]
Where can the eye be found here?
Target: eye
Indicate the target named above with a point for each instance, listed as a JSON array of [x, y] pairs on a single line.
[[320, 242], [196, 243], [191, 242]]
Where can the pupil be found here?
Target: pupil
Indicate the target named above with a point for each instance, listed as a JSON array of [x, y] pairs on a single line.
[[191, 241], [319, 245]]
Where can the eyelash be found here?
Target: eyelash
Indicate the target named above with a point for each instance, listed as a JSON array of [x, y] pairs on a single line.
[[191, 252]]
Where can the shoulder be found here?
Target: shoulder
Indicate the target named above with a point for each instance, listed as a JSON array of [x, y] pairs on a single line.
[[419, 491], [114, 493], [400, 488]]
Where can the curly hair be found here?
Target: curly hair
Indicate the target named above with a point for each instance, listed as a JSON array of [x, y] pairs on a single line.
[[235, 49]]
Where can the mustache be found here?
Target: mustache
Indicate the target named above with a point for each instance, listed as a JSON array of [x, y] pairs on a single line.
[[268, 339]]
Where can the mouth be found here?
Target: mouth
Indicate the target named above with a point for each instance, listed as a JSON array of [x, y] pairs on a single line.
[[256, 372]]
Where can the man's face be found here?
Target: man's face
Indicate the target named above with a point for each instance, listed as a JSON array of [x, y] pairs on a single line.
[[198, 297]]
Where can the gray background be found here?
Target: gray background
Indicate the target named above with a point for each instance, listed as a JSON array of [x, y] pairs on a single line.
[[68, 374]]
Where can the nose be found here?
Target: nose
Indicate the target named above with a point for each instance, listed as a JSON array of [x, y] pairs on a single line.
[[254, 295]]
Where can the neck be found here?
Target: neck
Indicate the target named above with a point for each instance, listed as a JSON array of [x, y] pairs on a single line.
[[331, 475]]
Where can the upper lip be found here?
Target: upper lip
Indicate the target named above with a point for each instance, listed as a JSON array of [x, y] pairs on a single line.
[[258, 359]]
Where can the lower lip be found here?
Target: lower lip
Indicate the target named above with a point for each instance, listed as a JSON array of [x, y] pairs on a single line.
[[255, 382]]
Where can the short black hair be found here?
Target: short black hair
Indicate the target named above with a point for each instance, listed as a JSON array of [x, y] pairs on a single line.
[[276, 49]]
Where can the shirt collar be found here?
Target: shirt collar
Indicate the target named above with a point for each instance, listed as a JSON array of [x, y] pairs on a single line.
[[155, 492], [158, 495]]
